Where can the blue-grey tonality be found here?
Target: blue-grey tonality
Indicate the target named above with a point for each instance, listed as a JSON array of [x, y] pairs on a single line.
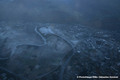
[[59, 39]]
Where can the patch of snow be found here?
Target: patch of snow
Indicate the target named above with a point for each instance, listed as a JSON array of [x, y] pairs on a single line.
[[37, 66], [107, 58], [118, 64], [45, 30], [105, 35], [78, 51], [75, 42], [119, 51]]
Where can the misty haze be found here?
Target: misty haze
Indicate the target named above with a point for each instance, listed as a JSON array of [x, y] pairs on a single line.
[[59, 39]]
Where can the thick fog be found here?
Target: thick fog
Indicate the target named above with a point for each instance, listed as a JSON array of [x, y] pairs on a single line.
[[59, 39], [97, 13]]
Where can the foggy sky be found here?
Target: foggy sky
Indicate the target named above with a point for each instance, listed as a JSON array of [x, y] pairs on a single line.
[[88, 12]]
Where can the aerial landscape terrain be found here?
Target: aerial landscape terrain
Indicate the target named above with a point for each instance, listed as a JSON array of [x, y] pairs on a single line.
[[59, 39]]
